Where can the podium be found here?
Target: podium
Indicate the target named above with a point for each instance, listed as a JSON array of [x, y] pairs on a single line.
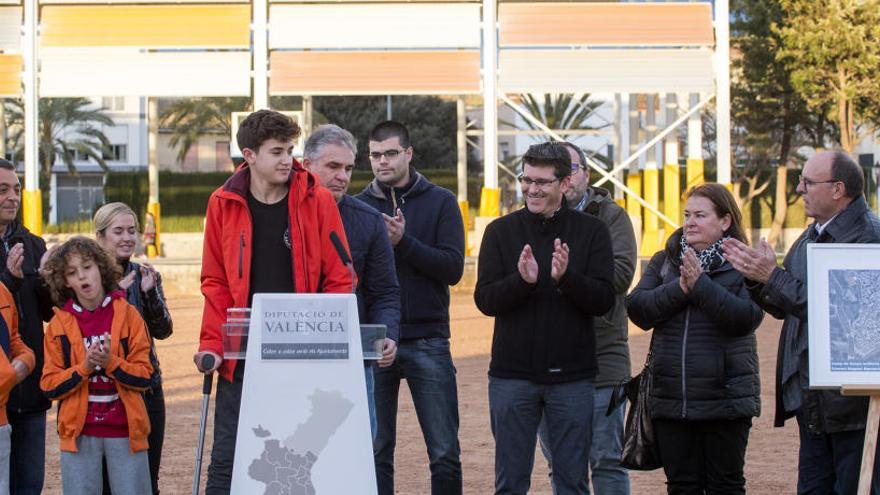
[[304, 424]]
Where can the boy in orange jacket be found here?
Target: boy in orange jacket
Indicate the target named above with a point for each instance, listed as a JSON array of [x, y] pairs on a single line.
[[97, 366], [16, 363]]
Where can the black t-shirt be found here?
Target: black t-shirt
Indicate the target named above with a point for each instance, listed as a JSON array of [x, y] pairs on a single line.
[[271, 261]]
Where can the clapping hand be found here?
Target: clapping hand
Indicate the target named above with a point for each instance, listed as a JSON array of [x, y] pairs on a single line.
[[14, 260], [755, 263], [527, 265], [690, 271], [148, 277], [559, 264], [98, 354]]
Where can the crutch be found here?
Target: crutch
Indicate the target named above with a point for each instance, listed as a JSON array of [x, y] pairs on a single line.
[[207, 363]]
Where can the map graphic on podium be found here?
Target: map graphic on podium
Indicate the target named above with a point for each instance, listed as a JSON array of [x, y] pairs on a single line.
[[304, 427], [286, 467]]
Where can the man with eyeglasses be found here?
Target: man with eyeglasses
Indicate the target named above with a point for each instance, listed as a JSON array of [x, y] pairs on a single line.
[[612, 330], [426, 229], [832, 427], [545, 272]]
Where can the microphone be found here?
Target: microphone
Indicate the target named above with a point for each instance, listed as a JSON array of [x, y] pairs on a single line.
[[340, 249], [343, 256]]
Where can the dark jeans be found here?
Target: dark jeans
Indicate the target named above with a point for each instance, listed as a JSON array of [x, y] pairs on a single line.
[[703, 456], [426, 364], [370, 380], [606, 447], [829, 463], [28, 457], [226, 408], [516, 408], [155, 402]]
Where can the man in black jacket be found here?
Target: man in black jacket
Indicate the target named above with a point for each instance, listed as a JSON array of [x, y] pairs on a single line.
[[21, 256], [425, 227], [832, 427], [545, 272]]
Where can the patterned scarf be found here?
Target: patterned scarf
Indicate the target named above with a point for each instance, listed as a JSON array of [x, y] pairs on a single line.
[[710, 258]]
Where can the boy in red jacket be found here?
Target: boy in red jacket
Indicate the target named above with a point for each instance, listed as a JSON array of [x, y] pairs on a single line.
[[267, 230]]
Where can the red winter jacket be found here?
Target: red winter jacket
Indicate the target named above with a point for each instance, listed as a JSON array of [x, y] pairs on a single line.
[[226, 258]]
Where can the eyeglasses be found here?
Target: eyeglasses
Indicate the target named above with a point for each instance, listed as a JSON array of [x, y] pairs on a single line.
[[576, 167], [390, 154], [528, 181], [807, 182]]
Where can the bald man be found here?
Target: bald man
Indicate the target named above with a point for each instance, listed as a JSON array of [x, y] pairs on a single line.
[[832, 427]]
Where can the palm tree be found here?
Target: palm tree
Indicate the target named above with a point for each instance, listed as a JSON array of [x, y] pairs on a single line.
[[191, 118], [564, 111], [68, 127]]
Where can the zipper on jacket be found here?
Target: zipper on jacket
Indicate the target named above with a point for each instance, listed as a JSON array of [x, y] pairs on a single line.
[[687, 321], [241, 256], [302, 244]]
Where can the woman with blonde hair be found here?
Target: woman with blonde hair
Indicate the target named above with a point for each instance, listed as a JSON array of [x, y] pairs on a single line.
[[116, 230]]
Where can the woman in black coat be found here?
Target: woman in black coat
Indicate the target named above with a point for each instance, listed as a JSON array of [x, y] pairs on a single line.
[[706, 384], [116, 229]]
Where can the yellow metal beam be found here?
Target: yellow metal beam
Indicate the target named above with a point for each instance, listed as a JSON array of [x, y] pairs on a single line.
[[671, 191], [154, 209], [32, 210], [695, 174], [465, 217], [634, 184], [490, 202], [651, 241]]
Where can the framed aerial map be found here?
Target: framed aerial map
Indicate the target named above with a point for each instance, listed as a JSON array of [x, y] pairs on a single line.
[[844, 314]]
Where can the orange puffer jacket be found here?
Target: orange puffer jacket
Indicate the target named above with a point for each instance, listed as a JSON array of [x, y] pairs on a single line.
[[17, 350], [226, 258], [65, 377]]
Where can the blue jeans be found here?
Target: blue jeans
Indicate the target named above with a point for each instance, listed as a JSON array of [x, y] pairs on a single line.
[[606, 447], [426, 365], [829, 463], [28, 460], [370, 380], [516, 408]]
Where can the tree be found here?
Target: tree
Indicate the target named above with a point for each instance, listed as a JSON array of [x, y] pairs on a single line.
[[69, 128], [832, 49], [771, 119], [191, 118], [431, 121], [564, 111]]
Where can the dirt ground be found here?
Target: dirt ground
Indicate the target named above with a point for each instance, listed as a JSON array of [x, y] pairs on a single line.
[[771, 463]]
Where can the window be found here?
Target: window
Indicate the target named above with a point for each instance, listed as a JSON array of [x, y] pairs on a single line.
[[505, 150], [113, 103], [118, 153]]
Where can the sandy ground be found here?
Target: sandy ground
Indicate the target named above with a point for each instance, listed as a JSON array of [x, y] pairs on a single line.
[[771, 464]]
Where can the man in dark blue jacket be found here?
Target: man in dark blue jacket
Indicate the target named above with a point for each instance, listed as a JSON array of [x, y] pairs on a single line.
[[21, 256], [329, 154], [426, 229]]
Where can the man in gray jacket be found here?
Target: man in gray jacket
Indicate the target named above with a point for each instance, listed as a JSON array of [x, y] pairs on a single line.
[[832, 426], [612, 349]]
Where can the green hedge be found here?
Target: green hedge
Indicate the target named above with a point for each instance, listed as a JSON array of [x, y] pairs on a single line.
[[180, 194]]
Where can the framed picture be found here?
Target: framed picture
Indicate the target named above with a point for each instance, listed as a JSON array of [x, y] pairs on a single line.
[[844, 314]]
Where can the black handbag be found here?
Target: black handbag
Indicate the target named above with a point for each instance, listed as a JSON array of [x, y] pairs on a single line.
[[640, 451]]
